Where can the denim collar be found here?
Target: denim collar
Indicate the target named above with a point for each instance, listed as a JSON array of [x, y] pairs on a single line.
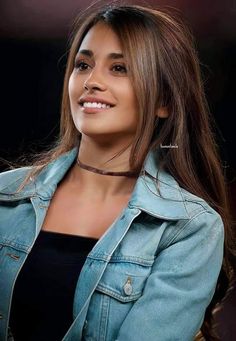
[[166, 203]]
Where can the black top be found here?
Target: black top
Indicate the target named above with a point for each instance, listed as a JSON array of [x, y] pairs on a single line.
[[42, 302]]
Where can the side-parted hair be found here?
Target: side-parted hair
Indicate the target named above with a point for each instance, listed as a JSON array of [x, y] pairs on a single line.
[[164, 68]]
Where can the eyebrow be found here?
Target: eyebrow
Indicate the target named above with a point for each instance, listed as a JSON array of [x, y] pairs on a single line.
[[111, 55]]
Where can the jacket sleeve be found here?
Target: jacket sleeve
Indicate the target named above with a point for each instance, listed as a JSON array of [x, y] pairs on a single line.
[[181, 284]]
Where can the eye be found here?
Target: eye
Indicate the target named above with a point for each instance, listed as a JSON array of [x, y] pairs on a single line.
[[81, 66], [120, 68]]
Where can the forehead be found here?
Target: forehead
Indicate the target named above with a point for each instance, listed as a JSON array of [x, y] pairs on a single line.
[[101, 39]]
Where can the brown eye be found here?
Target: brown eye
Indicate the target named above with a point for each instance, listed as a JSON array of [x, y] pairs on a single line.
[[120, 68], [81, 66]]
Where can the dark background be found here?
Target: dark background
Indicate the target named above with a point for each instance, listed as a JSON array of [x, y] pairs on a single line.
[[33, 41]]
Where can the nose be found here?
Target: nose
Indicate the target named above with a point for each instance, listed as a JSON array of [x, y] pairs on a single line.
[[95, 81]]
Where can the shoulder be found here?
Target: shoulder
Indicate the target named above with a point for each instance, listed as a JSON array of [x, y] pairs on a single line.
[[11, 179], [163, 197], [47, 175], [184, 215], [203, 226], [198, 219], [201, 213], [196, 205]]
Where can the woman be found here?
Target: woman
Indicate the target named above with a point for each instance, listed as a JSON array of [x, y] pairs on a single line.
[[117, 233]]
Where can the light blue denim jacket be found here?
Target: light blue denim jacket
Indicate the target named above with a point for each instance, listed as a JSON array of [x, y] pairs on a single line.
[[149, 277]]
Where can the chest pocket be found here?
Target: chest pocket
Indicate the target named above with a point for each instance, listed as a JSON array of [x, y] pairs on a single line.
[[122, 282], [120, 287]]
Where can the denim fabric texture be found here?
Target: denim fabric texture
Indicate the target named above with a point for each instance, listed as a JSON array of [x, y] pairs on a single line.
[[149, 277]]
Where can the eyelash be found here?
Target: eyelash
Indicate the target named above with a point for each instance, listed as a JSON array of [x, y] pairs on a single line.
[[79, 63]]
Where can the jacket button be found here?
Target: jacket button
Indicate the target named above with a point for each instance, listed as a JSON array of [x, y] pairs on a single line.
[[128, 287]]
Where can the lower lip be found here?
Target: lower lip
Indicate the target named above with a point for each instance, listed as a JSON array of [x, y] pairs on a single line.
[[93, 110]]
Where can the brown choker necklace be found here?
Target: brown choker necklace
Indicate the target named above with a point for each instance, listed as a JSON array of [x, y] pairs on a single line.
[[104, 172]]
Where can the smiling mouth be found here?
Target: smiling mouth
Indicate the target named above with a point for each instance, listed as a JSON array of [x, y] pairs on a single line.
[[95, 105]]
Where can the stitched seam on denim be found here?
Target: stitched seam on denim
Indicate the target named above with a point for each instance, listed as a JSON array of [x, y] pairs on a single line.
[[161, 216], [185, 226], [172, 187], [113, 294], [104, 317], [10, 184], [99, 257], [182, 196], [129, 259], [9, 197], [189, 196], [22, 247], [199, 203], [165, 243], [196, 211]]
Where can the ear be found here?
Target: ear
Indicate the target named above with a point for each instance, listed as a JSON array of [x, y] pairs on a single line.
[[162, 112]]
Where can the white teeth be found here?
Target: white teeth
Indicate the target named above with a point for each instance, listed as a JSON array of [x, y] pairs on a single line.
[[95, 105]]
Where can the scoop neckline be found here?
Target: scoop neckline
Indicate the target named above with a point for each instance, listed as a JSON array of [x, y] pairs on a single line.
[[67, 235]]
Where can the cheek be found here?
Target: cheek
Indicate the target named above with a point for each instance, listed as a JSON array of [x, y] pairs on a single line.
[[129, 98], [131, 103], [74, 88], [70, 88], [73, 96]]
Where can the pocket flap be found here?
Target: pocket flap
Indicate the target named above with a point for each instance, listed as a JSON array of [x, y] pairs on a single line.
[[124, 282]]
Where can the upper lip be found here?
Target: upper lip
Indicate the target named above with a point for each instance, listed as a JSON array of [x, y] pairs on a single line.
[[94, 99]]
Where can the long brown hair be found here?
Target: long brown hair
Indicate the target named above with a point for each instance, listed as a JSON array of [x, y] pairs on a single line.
[[164, 69]]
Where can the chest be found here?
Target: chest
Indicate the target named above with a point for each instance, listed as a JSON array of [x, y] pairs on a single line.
[[127, 249], [72, 213]]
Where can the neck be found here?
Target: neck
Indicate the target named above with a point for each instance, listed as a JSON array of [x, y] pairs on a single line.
[[105, 172], [100, 185]]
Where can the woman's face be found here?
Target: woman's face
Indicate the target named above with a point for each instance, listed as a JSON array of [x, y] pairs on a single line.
[[102, 99]]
